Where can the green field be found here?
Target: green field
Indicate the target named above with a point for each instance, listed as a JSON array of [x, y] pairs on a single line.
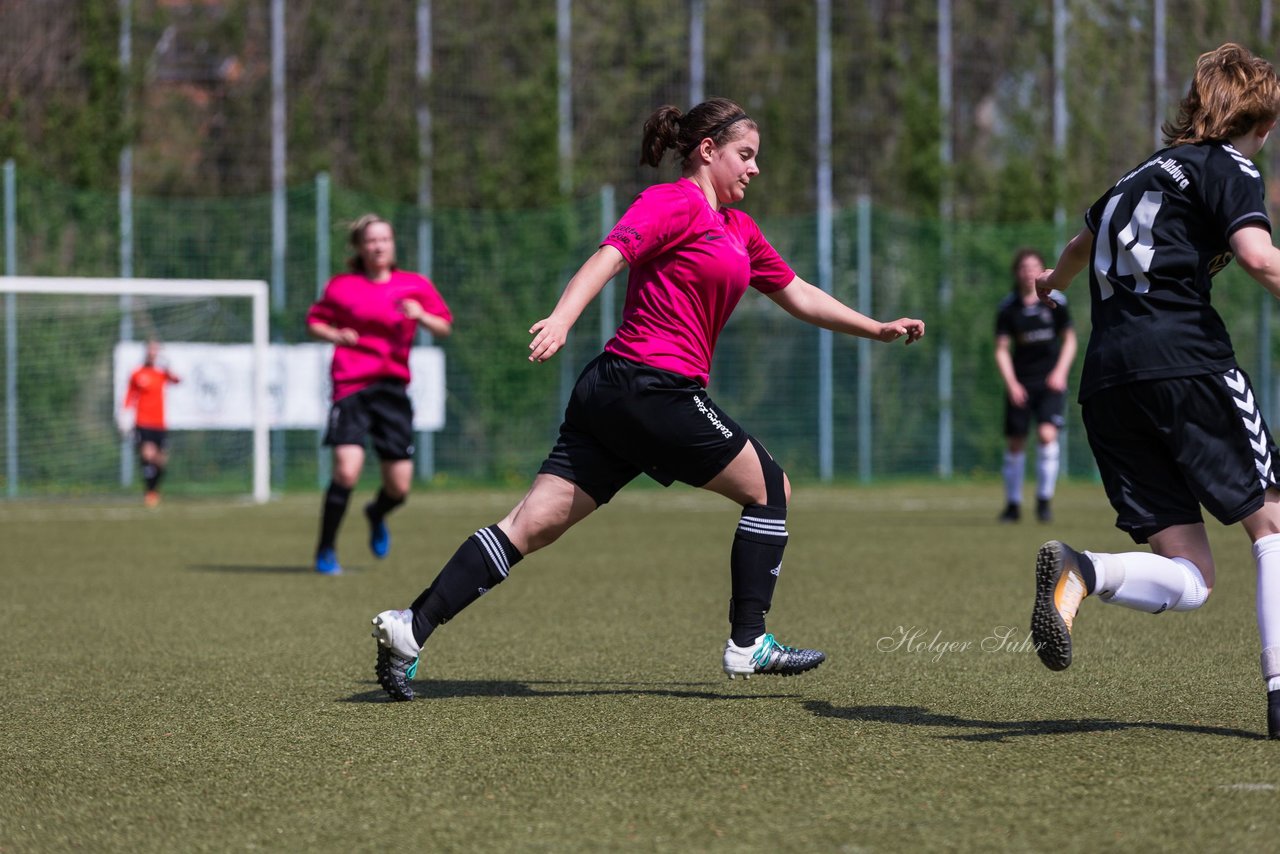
[[179, 680]]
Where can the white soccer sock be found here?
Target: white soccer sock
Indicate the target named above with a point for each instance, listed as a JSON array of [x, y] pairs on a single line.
[[1266, 552], [1148, 582], [1014, 464], [1047, 469]]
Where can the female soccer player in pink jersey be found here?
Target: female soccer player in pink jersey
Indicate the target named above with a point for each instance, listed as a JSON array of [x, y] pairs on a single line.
[[370, 314], [642, 405]]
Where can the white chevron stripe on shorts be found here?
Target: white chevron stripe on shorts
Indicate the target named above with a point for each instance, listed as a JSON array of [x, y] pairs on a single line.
[[1242, 396]]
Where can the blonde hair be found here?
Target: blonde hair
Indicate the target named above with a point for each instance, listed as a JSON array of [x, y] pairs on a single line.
[[1231, 93], [355, 237]]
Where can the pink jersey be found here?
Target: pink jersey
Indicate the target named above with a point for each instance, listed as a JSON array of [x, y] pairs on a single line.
[[372, 310], [690, 265]]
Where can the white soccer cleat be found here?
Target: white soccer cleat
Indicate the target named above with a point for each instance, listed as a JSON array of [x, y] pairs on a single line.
[[397, 653], [766, 655]]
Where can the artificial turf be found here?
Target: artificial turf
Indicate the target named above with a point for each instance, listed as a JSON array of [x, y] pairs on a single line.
[[179, 679]]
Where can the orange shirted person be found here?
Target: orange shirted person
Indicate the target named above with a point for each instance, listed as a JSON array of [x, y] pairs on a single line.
[[146, 396]]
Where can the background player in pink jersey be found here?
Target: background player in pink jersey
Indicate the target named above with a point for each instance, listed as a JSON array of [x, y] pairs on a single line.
[[642, 405], [371, 315]]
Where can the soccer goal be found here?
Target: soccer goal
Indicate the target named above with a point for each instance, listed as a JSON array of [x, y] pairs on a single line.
[[69, 345]]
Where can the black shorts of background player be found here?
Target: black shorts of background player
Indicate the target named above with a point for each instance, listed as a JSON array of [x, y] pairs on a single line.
[[1172, 420], [1035, 345], [642, 407]]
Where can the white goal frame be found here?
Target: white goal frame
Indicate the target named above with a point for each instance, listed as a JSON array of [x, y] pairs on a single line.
[[255, 290]]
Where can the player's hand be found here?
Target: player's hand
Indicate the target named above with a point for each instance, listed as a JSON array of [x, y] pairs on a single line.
[[411, 309], [549, 335], [1056, 382], [1045, 289], [1018, 395], [345, 337], [895, 329]]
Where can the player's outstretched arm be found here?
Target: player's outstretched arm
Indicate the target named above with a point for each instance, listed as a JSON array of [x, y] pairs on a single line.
[[550, 333], [1074, 258], [1258, 256], [814, 305]]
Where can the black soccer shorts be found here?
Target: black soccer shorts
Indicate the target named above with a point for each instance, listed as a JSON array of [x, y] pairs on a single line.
[[143, 435], [1047, 407], [1165, 448], [624, 419], [382, 412]]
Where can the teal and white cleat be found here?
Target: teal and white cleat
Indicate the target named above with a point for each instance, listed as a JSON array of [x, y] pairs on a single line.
[[397, 653], [768, 656]]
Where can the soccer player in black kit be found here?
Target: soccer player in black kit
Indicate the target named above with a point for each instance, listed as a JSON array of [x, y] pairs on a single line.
[[1171, 418], [1035, 345]]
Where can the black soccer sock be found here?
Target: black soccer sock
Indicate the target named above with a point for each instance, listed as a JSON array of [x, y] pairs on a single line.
[[335, 507], [150, 475], [479, 564], [383, 504], [155, 483], [754, 563]]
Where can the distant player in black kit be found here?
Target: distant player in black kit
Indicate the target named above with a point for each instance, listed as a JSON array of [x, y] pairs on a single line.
[[1171, 418], [1035, 345]]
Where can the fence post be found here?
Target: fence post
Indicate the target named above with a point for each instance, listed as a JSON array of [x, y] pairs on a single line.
[[945, 249], [126, 215], [324, 263], [279, 235], [425, 453], [608, 216], [864, 344], [11, 330], [826, 455]]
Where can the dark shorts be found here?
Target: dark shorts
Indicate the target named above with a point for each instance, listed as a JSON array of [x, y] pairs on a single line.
[[1046, 406], [1165, 448], [382, 412], [625, 419], [142, 435]]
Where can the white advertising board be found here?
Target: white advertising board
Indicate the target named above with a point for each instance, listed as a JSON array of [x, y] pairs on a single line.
[[215, 392]]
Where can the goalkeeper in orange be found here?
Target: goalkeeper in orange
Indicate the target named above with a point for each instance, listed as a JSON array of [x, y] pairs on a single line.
[[146, 396]]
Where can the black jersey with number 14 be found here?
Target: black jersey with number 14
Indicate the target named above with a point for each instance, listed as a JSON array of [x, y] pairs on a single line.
[[1160, 235]]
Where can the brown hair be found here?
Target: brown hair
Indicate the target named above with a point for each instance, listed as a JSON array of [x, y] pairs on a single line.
[[1231, 92], [1021, 255], [717, 119], [355, 237]]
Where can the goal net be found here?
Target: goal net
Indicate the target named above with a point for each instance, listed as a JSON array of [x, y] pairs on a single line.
[[67, 348]]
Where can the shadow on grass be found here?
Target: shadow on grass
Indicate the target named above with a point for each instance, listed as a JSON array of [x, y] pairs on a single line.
[[441, 689], [255, 568], [1002, 730]]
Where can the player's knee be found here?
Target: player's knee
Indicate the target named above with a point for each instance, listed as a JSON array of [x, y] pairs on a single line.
[[777, 487], [1195, 589]]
